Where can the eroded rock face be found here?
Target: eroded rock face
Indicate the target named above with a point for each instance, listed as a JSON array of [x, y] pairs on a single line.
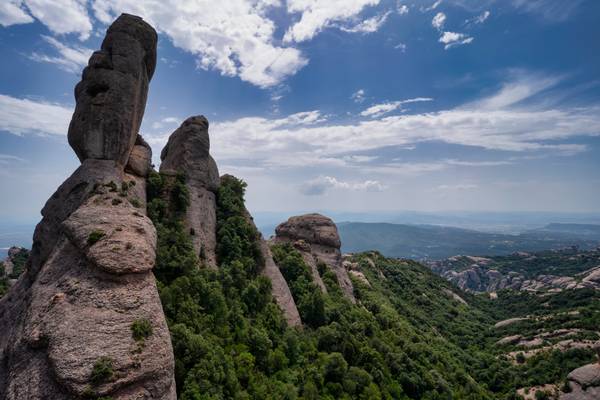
[[281, 291], [89, 276], [317, 239], [584, 383], [187, 152], [111, 96]]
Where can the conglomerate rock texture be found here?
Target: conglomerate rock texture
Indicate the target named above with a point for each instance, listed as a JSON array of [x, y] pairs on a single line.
[[187, 152], [317, 239], [89, 278]]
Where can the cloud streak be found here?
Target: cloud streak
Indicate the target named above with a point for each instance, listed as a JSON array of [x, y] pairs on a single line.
[[322, 184]]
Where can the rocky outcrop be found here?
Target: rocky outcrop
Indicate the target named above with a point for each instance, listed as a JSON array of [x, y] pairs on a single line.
[[111, 96], [280, 288], [187, 152], [317, 239], [14, 258], [584, 383], [478, 277], [66, 325]]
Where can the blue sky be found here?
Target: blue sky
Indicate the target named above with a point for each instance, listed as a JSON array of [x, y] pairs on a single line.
[[349, 105]]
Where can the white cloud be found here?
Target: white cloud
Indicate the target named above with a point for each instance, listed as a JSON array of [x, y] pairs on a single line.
[[234, 37], [12, 13], [358, 96], [62, 16], [293, 141], [70, 59], [317, 15], [451, 39], [23, 116], [321, 184], [378, 110], [522, 86], [402, 9], [167, 121], [438, 21], [432, 7], [369, 25], [401, 46], [480, 19]]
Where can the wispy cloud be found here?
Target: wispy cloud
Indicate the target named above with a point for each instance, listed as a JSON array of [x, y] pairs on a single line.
[[369, 25], [6, 159], [378, 110], [549, 10], [321, 184], [70, 58], [453, 39], [23, 116], [358, 96]]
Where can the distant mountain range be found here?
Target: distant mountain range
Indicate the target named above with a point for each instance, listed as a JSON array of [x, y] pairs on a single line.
[[435, 242]]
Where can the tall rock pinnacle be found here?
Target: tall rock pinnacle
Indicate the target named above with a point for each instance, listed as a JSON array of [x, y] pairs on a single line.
[[187, 152], [67, 326]]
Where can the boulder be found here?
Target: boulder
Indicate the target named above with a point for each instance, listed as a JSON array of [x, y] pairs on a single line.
[[317, 239]]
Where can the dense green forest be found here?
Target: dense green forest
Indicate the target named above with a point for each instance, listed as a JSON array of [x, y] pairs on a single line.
[[408, 336]]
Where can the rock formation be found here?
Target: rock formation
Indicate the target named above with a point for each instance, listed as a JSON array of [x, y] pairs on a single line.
[[584, 383], [13, 260], [317, 239], [66, 325], [478, 277], [187, 152]]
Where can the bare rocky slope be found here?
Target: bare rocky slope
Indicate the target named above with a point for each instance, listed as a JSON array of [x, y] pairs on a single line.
[[553, 270]]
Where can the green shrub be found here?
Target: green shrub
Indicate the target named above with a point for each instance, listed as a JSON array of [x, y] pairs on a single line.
[[95, 236], [135, 202], [102, 371], [141, 329]]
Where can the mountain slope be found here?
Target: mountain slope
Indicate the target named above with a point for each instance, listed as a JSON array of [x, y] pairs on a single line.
[[435, 242]]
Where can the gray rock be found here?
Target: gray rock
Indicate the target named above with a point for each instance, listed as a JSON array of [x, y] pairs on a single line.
[[140, 159], [187, 152], [111, 96], [588, 375], [280, 288], [316, 236], [88, 277]]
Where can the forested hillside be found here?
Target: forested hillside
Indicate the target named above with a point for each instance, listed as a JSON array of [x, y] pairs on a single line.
[[410, 335]]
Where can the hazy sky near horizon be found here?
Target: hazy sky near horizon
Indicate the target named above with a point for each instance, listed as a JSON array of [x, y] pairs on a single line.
[[350, 105]]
